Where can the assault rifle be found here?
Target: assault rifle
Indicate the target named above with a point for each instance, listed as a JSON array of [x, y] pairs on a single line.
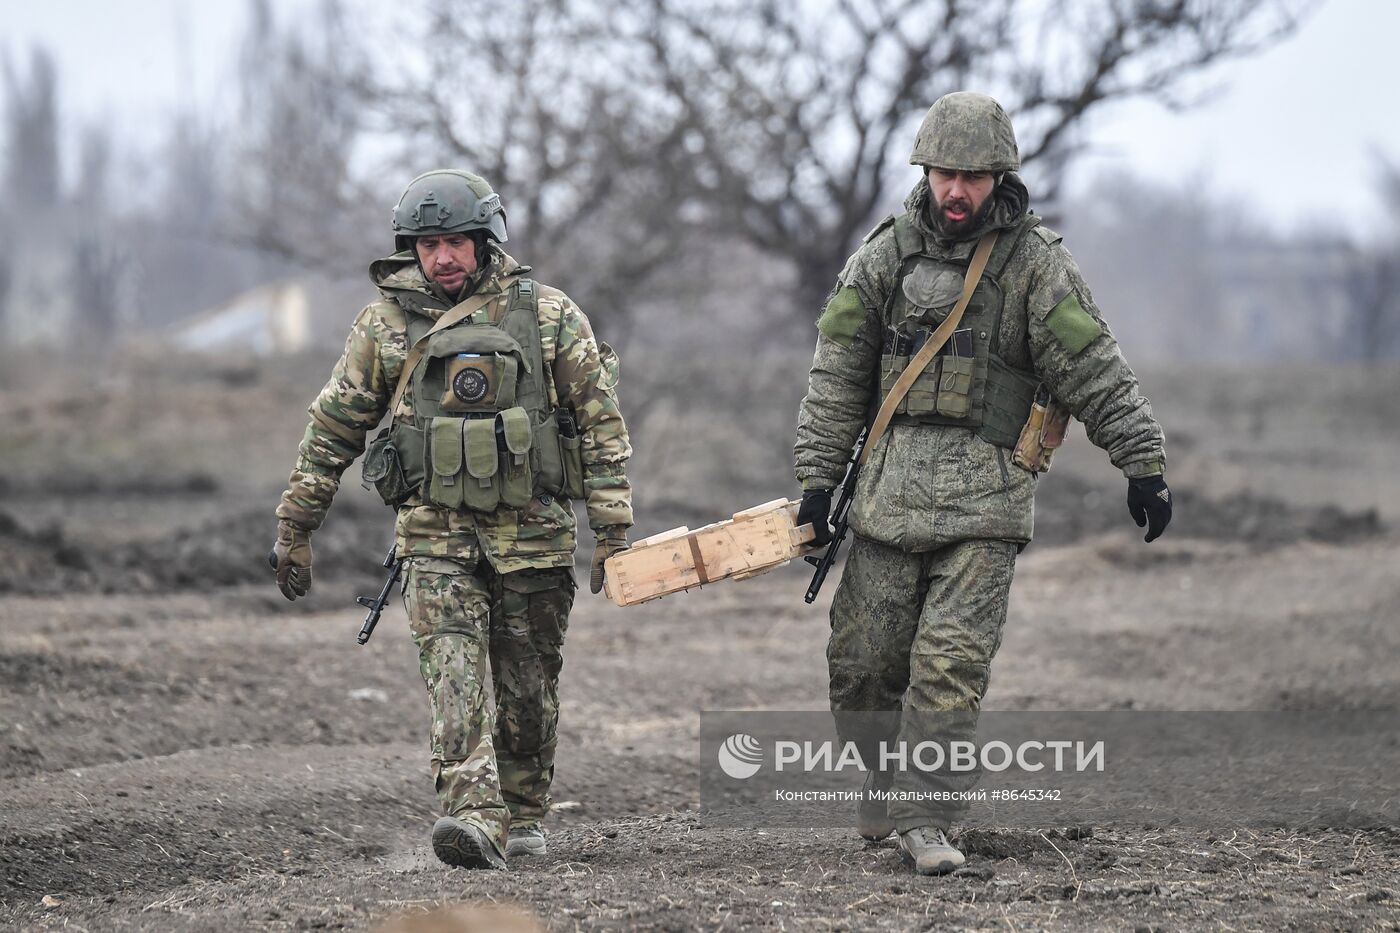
[[376, 605], [838, 520]]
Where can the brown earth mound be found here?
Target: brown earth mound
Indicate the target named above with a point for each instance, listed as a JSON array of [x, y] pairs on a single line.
[[230, 551], [1068, 509], [225, 552]]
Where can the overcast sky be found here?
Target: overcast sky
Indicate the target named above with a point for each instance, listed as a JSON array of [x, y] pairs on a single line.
[[1293, 133]]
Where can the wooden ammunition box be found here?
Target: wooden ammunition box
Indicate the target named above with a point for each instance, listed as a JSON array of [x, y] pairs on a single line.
[[754, 541]]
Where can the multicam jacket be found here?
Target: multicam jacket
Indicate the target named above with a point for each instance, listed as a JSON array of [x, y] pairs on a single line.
[[361, 388], [927, 485]]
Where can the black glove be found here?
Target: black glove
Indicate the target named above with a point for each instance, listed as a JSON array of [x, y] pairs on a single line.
[[1150, 504], [814, 510]]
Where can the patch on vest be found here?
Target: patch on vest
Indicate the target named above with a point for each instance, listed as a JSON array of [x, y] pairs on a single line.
[[1074, 327], [843, 316], [470, 385]]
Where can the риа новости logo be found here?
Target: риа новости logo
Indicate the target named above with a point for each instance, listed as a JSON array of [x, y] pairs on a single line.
[[740, 756]]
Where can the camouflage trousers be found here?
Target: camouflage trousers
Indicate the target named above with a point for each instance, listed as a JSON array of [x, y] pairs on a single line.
[[492, 757], [911, 634]]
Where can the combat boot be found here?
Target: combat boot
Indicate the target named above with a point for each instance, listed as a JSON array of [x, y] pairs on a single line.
[[459, 843], [526, 840], [929, 851], [873, 816]]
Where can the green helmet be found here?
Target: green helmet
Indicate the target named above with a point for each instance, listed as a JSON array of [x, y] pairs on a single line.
[[448, 201], [966, 132]]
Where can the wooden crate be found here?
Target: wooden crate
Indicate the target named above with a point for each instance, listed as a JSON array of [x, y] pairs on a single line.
[[754, 541]]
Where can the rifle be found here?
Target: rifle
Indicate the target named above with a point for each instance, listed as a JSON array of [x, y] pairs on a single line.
[[376, 605], [838, 520]]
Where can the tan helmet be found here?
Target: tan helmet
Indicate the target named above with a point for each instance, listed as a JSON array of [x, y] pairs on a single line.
[[967, 132]]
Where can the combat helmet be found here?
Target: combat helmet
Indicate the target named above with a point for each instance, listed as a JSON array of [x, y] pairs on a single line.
[[448, 201], [967, 132]]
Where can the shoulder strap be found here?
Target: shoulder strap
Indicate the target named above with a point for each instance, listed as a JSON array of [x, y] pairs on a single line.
[[1002, 257], [931, 347], [878, 228], [908, 240], [523, 296], [522, 321], [454, 315]]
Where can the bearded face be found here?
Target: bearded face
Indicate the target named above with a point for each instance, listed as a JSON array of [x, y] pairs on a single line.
[[960, 200]]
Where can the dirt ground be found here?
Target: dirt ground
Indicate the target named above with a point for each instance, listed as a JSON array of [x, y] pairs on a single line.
[[182, 750]]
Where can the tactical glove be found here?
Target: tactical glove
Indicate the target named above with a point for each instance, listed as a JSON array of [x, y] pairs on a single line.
[[814, 511], [610, 541], [291, 558], [1150, 504]]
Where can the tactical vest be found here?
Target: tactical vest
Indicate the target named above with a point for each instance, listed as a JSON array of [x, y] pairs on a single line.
[[483, 434], [968, 384]]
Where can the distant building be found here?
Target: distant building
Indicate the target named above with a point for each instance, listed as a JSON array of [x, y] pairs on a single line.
[[265, 320], [290, 316]]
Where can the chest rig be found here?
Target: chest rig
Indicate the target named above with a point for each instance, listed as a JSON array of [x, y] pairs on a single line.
[[483, 432], [968, 384]]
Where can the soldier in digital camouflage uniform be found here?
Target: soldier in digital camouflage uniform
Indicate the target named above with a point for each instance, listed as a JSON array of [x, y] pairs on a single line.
[[507, 414], [942, 507]]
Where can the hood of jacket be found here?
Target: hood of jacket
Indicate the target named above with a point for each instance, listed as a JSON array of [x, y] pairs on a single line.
[[400, 278]]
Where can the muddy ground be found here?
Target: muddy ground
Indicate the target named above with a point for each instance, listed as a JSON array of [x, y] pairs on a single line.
[[180, 749]]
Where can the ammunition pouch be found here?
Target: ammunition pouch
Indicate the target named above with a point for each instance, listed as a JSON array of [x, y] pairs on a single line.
[[515, 472], [383, 470], [558, 456], [571, 448], [482, 463], [1042, 434]]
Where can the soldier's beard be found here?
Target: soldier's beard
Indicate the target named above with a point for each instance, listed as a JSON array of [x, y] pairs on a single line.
[[958, 229]]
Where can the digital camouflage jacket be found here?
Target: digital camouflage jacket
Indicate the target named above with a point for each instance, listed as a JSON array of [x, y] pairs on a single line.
[[362, 385], [925, 486]]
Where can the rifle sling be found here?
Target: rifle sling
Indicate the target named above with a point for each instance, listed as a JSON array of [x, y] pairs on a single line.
[[931, 347]]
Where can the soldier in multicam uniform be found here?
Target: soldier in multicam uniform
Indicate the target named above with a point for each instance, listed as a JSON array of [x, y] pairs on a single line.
[[504, 408], [944, 502]]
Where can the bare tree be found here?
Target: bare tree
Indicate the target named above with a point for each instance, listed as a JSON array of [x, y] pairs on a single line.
[[795, 116], [299, 128], [31, 136], [6, 275], [622, 134], [517, 92], [92, 188], [94, 267], [1372, 281], [539, 114], [94, 276]]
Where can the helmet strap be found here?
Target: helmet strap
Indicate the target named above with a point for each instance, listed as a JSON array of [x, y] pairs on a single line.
[[483, 248]]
